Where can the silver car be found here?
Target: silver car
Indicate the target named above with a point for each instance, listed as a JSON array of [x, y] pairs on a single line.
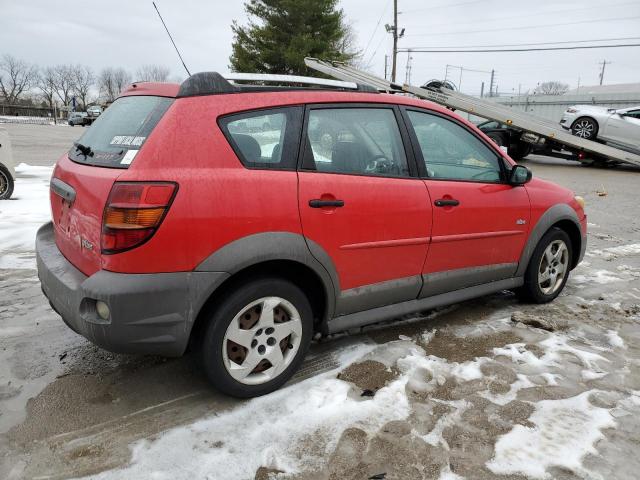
[[617, 127]]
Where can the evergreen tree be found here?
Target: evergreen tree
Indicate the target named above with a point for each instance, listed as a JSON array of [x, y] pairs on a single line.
[[281, 33]]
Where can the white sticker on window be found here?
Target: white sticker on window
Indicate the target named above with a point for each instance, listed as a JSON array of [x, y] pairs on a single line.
[[128, 157], [127, 140]]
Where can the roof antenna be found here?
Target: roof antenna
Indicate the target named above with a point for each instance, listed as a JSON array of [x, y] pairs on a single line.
[[171, 38]]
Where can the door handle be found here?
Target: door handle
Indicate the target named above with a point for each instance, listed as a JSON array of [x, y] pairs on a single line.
[[446, 202], [317, 203]]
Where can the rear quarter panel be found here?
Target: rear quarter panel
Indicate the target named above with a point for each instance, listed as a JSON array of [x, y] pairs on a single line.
[[218, 200]]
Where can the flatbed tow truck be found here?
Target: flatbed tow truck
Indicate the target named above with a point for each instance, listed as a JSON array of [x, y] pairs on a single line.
[[536, 130]]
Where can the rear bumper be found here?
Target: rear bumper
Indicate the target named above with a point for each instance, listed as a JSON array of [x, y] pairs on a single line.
[[149, 313]]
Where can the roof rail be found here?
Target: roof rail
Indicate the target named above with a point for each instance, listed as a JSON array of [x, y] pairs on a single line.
[[211, 83]]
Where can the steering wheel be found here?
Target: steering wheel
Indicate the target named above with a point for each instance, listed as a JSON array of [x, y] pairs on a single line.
[[373, 165]]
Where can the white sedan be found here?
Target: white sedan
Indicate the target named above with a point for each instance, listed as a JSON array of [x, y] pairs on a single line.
[[7, 172], [617, 127]]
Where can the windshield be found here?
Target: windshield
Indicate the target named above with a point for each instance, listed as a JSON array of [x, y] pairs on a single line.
[[120, 131]]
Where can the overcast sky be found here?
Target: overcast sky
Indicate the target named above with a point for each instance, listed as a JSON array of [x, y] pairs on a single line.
[[128, 33]]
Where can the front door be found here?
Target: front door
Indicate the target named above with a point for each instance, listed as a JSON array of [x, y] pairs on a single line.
[[361, 204], [624, 128], [480, 223]]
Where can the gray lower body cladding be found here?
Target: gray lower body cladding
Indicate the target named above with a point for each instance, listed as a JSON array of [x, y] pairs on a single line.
[[150, 313]]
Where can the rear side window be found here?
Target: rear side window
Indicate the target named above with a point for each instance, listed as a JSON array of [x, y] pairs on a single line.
[[265, 139], [120, 131]]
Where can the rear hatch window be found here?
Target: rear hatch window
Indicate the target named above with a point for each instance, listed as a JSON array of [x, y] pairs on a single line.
[[119, 132]]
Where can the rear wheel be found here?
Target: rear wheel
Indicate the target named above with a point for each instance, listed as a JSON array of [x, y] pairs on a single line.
[[585, 127], [257, 338], [521, 150], [548, 268], [6, 183]]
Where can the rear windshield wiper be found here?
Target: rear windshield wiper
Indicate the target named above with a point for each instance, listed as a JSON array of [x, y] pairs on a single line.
[[84, 149]]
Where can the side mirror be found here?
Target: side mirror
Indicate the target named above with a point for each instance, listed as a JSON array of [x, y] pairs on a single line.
[[519, 175]]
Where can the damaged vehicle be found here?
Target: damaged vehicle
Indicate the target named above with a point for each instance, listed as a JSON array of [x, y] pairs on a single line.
[[240, 220]]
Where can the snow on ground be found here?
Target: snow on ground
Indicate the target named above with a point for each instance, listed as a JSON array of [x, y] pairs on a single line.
[[272, 431], [267, 431], [21, 216], [565, 431]]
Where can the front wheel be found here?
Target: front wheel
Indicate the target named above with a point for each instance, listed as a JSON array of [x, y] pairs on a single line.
[[257, 337], [6, 183], [548, 268]]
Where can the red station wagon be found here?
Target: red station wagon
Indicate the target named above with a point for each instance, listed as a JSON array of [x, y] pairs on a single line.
[[242, 220]]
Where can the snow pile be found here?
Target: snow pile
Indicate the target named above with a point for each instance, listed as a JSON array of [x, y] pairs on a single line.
[[21, 216], [267, 431], [615, 252], [565, 431]]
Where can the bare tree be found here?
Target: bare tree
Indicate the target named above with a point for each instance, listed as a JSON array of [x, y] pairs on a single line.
[[16, 78], [83, 80], [47, 85], [112, 81], [152, 73], [553, 87], [63, 81]]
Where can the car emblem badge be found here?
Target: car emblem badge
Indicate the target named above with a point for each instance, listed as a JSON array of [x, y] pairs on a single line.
[[521, 221], [86, 244]]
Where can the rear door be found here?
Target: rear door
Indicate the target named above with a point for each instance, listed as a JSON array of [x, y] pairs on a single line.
[[83, 178], [361, 202], [480, 223]]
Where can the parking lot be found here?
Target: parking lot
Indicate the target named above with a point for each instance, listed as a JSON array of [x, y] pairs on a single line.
[[490, 388]]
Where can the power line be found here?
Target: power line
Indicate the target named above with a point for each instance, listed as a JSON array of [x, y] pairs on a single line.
[[373, 34], [581, 47], [523, 27], [444, 6], [539, 43], [545, 12]]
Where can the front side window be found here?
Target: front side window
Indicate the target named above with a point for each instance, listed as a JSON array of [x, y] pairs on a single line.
[[451, 152], [265, 139], [359, 141]]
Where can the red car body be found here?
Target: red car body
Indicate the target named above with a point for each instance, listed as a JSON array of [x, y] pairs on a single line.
[[387, 252]]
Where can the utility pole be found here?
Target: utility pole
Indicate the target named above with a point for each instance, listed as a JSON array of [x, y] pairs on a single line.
[[393, 29], [395, 43], [604, 64], [386, 62], [491, 84], [482, 90]]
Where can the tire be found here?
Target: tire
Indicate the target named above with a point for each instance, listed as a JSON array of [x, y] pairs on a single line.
[[241, 312], [585, 127], [520, 151], [6, 183], [534, 289]]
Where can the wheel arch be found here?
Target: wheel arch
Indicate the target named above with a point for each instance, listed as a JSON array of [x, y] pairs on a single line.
[[559, 216], [283, 254]]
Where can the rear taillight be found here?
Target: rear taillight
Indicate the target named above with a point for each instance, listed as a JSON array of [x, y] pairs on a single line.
[[133, 213]]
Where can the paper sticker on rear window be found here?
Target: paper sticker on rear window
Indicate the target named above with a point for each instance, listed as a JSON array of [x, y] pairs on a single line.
[[128, 157], [127, 140]]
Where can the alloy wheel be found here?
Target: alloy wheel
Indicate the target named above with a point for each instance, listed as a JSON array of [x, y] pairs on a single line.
[[554, 266], [583, 129], [262, 340]]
